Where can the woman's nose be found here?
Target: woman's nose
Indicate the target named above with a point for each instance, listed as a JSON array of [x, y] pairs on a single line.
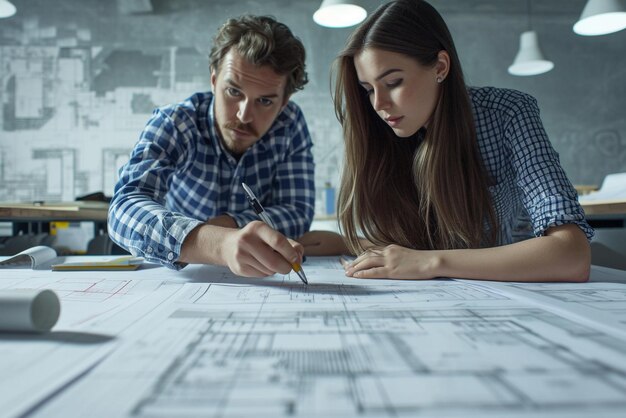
[[380, 101]]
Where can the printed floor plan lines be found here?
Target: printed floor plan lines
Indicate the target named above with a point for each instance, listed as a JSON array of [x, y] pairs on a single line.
[[342, 348]]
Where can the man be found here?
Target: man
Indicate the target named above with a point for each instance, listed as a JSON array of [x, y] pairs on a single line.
[[179, 199]]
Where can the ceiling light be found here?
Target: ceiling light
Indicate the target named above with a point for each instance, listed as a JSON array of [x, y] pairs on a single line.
[[600, 17], [339, 14], [6, 9], [529, 59]]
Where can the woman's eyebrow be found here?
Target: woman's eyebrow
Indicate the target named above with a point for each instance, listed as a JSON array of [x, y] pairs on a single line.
[[384, 74]]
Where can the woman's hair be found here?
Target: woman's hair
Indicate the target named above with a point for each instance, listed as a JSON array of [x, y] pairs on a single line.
[[445, 203], [262, 41]]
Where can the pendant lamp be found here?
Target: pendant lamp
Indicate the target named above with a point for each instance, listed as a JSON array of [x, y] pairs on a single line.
[[339, 13], [529, 59], [7, 9], [600, 17]]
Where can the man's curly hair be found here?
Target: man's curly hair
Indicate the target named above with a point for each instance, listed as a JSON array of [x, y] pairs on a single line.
[[262, 41]]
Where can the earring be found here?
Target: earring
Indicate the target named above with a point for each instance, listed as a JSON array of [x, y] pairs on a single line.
[[439, 79]]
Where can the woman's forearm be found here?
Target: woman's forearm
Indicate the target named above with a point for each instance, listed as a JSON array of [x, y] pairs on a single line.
[[563, 254]]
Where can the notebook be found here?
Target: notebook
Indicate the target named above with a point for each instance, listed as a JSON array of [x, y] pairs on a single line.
[[43, 257], [127, 262]]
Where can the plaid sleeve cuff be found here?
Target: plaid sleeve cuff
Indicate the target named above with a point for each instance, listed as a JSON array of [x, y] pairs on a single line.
[[558, 210], [157, 237]]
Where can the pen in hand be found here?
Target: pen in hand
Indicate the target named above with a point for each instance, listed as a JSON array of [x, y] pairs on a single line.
[[258, 209]]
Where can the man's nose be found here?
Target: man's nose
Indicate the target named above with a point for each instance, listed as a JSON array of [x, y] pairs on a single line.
[[244, 114]]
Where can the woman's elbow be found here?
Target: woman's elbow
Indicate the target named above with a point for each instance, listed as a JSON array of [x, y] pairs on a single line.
[[580, 263], [576, 253], [583, 276]]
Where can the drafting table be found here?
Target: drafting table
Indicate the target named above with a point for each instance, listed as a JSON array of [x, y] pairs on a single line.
[[202, 342]]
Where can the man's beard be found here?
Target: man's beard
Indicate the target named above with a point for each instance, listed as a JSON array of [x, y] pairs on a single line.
[[244, 127], [236, 148]]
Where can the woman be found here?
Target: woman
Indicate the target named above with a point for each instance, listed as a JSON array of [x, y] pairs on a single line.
[[435, 172]]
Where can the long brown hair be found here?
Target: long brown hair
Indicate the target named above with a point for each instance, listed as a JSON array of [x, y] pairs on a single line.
[[445, 203]]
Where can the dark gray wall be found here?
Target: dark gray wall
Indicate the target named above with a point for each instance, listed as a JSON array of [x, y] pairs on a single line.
[[582, 100], [92, 72]]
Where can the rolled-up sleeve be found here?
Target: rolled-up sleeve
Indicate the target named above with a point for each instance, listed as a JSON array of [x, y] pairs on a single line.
[[138, 219], [548, 195]]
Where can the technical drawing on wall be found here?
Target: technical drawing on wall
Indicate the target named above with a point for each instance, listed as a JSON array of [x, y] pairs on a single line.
[[76, 99]]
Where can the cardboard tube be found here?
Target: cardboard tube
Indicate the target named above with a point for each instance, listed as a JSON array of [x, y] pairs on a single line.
[[31, 310]]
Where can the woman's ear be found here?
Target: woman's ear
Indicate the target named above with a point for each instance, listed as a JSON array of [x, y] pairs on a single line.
[[443, 65]]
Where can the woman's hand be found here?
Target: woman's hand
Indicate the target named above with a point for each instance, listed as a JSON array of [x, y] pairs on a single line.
[[562, 254], [393, 262]]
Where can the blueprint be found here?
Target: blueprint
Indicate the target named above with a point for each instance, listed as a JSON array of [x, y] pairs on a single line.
[[96, 310], [225, 346], [600, 305]]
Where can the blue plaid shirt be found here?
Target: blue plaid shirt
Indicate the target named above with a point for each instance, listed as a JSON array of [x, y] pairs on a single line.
[[528, 180], [179, 176]]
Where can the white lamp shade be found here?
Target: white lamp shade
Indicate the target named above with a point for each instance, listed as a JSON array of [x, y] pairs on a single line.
[[339, 14], [529, 59], [6, 9], [600, 17]]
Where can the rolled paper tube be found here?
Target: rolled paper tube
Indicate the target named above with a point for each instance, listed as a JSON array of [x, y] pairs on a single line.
[[31, 310]]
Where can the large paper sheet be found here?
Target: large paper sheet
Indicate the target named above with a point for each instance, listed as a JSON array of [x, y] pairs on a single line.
[[96, 310], [226, 346]]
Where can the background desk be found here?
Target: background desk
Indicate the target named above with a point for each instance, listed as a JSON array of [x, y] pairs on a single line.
[[35, 218], [606, 213], [610, 216], [39, 214], [30, 225]]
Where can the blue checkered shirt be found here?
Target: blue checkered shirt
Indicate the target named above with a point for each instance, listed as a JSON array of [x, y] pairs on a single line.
[[528, 180], [179, 176]]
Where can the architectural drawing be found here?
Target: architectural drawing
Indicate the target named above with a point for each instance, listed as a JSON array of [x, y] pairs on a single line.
[[97, 308], [227, 347], [597, 303]]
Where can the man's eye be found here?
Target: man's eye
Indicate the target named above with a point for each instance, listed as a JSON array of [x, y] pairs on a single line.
[[233, 92], [265, 102]]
